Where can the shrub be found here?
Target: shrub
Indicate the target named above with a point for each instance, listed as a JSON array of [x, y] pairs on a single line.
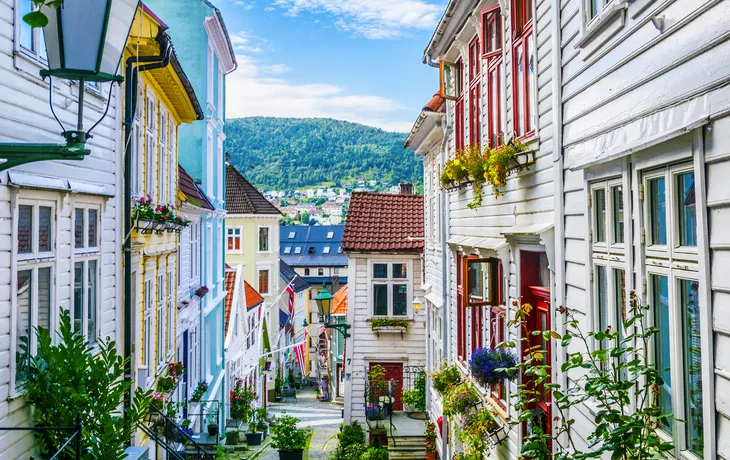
[[232, 437], [69, 379], [286, 436], [375, 453], [351, 434], [489, 366], [445, 378], [416, 398]]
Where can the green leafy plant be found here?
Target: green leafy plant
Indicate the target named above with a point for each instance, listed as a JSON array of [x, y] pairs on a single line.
[[351, 434], [445, 378], [612, 377], [232, 437], [477, 426], [461, 400], [242, 399], [375, 453], [389, 322], [69, 380], [199, 391], [286, 436], [416, 398], [376, 382], [430, 435]]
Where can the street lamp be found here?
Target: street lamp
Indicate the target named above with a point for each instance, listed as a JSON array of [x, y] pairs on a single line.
[[85, 40], [324, 305], [417, 302]]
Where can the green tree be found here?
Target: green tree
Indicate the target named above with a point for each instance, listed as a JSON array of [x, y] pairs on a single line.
[[71, 379]]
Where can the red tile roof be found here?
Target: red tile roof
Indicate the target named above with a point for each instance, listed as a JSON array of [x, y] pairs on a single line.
[[434, 104], [190, 189], [340, 301], [253, 298], [244, 198], [230, 286], [379, 222]]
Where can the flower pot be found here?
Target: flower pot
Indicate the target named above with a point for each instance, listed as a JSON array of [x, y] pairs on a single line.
[[291, 454], [254, 439], [431, 455], [213, 429]]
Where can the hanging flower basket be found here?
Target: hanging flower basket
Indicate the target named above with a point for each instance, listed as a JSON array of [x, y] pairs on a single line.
[[489, 366], [201, 291]]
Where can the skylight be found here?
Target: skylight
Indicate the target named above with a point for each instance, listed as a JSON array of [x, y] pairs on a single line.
[[330, 235], [287, 250], [297, 250], [292, 234], [326, 249]]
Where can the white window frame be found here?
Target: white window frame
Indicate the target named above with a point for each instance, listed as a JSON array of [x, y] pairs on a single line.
[[268, 239], [37, 36], [209, 165], [219, 161], [234, 233], [137, 142], [298, 250], [162, 161], [221, 93], [86, 255], [195, 251], [292, 234], [330, 235], [161, 319], [603, 9], [172, 158], [149, 355], [171, 314], [33, 262], [151, 144], [287, 250], [326, 250], [390, 282], [211, 81]]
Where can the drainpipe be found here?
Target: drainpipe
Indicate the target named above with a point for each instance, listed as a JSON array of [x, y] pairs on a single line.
[[130, 109], [558, 179], [447, 125]]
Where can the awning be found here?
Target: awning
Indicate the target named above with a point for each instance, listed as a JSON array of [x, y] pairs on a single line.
[[477, 242], [527, 230], [638, 135], [37, 181], [435, 299]]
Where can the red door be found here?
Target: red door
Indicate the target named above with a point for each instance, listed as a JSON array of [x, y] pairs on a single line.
[[394, 374]]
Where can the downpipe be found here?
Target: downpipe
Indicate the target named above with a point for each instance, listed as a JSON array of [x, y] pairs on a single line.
[[130, 110]]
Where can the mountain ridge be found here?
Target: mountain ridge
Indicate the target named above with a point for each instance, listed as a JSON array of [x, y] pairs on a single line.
[[298, 153]]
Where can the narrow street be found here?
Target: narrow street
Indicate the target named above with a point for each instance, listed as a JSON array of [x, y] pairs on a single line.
[[323, 418]]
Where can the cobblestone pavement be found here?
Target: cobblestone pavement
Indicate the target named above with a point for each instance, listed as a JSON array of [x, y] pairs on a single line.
[[323, 418]]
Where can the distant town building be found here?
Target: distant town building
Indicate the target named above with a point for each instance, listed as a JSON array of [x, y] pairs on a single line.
[[315, 253]]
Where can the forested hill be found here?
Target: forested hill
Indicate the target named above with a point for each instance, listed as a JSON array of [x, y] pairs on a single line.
[[296, 153]]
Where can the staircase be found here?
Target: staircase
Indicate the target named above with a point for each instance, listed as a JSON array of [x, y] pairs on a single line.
[[407, 447]]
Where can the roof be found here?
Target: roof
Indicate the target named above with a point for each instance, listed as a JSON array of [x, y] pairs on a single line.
[[288, 274], [191, 190], [253, 298], [436, 104], [230, 287], [340, 301], [382, 222], [244, 198], [318, 245]]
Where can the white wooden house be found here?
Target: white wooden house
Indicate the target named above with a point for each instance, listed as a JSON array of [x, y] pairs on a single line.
[[384, 242], [60, 223]]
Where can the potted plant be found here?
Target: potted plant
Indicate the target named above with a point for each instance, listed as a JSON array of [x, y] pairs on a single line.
[[261, 424], [477, 429], [489, 366], [447, 377], [253, 437], [289, 440], [416, 399], [430, 435], [460, 400], [232, 437], [212, 424]]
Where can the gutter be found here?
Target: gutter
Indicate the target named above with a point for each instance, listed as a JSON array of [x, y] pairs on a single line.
[[438, 33], [130, 109]]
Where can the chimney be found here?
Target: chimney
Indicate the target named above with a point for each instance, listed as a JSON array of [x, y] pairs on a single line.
[[406, 188]]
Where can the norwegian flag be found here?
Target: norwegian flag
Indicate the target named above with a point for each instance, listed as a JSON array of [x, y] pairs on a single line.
[[299, 353], [290, 290]]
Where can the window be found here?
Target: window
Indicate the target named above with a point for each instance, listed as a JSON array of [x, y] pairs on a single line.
[[594, 8], [33, 299], [148, 302], [339, 249], [263, 281], [264, 239], [297, 250], [480, 289], [209, 167], [492, 52], [320, 271], [523, 67], [162, 180], [31, 40], [311, 250], [137, 149], [234, 239], [459, 107], [326, 250], [330, 235], [172, 156], [151, 146], [161, 320], [292, 234], [170, 313], [86, 228], [668, 210], [306, 272], [390, 289], [287, 250], [336, 271], [460, 310], [86, 272], [194, 250], [475, 100]]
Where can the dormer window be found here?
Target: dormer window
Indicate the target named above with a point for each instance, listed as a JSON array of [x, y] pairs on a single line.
[[330, 235], [326, 250], [297, 250], [311, 250], [292, 234], [287, 250]]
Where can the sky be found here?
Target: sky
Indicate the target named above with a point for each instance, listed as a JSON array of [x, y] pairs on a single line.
[[354, 60]]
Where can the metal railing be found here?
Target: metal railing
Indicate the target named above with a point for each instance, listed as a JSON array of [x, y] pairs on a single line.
[[75, 436], [173, 438]]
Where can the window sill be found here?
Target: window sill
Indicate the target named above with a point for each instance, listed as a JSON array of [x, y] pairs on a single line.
[[602, 28], [30, 65]]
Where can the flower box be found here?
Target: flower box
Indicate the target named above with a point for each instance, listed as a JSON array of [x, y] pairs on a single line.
[[146, 226], [390, 329]]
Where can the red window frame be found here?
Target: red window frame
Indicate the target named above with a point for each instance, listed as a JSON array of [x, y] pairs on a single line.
[[498, 326], [460, 309], [522, 31], [460, 107], [475, 101], [492, 52]]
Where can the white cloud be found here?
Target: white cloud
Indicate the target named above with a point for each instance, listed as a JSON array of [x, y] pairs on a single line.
[[241, 42], [244, 5], [375, 19], [258, 90]]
